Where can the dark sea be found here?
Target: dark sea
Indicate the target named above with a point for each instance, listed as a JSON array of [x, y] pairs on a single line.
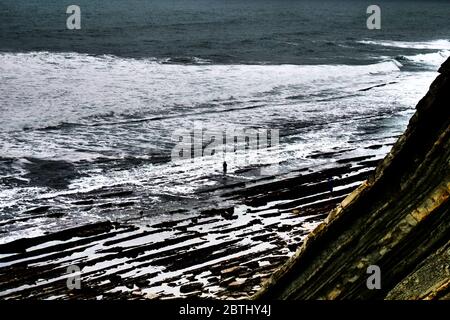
[[97, 107], [224, 31]]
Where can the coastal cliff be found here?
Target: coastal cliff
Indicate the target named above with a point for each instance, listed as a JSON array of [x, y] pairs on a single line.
[[398, 220]]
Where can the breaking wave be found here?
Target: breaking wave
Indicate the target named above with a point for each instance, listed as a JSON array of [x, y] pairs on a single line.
[[89, 90], [441, 44]]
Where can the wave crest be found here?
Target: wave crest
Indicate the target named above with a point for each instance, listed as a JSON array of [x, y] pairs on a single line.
[[441, 44]]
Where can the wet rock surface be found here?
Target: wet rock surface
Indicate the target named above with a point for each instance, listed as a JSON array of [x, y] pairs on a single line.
[[226, 251], [398, 220]]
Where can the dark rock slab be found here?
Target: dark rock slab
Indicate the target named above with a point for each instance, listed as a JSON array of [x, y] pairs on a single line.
[[398, 220]]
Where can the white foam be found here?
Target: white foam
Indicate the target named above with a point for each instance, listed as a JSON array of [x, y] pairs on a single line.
[[42, 89], [434, 59], [441, 44]]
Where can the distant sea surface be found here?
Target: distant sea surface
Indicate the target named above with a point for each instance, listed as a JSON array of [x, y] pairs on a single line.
[[223, 31], [115, 91]]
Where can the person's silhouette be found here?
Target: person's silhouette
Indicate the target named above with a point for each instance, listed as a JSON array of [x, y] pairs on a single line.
[[225, 167]]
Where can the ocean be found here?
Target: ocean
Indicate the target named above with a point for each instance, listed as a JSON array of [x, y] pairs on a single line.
[[97, 108]]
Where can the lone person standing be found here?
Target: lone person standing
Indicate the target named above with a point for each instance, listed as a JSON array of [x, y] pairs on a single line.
[[225, 168]]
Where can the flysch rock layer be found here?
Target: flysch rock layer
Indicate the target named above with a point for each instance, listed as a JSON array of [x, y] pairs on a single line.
[[397, 220]]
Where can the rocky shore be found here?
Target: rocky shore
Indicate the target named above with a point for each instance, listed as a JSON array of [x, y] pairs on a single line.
[[398, 221], [231, 238], [222, 252]]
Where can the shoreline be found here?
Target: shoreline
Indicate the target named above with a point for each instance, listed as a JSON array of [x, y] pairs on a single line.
[[224, 251]]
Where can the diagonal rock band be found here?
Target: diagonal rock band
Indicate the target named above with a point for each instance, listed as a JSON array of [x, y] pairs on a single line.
[[398, 220]]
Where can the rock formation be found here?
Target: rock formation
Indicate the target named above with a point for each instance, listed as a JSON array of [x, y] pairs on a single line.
[[397, 220]]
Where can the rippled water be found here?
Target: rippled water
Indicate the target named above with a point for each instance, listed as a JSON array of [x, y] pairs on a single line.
[[79, 112]]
